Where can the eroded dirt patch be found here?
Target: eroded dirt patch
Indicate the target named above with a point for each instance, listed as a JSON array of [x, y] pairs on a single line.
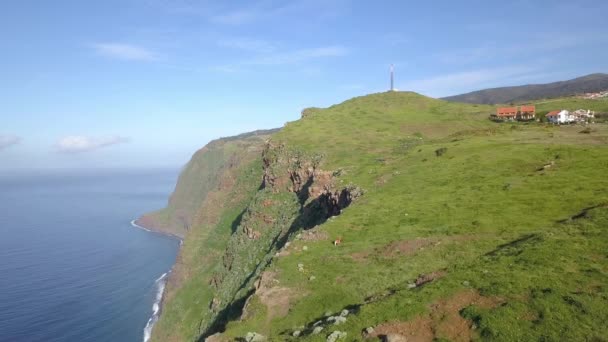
[[443, 321], [429, 277], [276, 298], [408, 247], [416, 330]]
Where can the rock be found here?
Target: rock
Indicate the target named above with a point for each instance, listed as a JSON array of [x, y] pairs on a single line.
[[369, 330], [411, 286], [394, 338], [296, 333], [217, 337], [317, 330], [287, 244], [327, 313], [344, 313], [465, 283], [339, 320], [305, 248], [299, 236], [331, 318], [336, 335], [317, 323], [311, 278], [254, 337]]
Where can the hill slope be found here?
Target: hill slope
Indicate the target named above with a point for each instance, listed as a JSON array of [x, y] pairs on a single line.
[[589, 83], [452, 227], [200, 176]]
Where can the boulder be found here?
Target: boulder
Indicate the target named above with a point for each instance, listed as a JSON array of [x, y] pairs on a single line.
[[336, 335], [317, 330], [339, 320], [254, 337], [394, 338]]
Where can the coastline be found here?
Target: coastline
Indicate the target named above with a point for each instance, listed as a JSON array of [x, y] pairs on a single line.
[[160, 283], [136, 224]]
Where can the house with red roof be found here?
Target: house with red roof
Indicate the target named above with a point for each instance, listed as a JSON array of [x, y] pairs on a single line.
[[527, 113], [560, 117], [522, 113]]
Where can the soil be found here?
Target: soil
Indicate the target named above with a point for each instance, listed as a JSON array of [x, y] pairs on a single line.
[[443, 321]]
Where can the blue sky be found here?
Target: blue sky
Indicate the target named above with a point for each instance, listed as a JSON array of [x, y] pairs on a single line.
[[144, 83]]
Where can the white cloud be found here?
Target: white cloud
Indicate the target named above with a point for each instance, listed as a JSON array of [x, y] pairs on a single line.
[[459, 82], [264, 10], [236, 18], [537, 44], [274, 57], [79, 143], [297, 56], [248, 44], [7, 141], [125, 52]]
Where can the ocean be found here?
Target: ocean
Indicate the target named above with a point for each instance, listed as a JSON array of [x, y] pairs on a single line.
[[72, 266]]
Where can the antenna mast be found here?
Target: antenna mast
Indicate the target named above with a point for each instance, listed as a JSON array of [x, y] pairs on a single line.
[[392, 77]]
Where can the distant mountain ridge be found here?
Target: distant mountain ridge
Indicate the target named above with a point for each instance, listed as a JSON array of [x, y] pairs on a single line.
[[586, 84]]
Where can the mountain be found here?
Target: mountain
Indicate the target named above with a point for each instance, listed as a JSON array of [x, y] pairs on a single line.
[[585, 84], [395, 214]]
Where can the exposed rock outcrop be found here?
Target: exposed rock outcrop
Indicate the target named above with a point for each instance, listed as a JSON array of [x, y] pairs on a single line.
[[296, 194]]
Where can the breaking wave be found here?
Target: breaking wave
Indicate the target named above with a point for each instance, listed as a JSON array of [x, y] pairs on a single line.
[[160, 289], [138, 226]]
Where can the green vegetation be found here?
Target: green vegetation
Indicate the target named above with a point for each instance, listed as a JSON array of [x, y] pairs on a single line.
[[501, 226], [199, 177]]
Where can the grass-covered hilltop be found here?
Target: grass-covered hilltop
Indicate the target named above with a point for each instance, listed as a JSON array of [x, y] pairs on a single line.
[[451, 227]]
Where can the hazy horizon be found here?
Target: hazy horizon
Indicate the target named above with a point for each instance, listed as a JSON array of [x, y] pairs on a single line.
[[145, 83]]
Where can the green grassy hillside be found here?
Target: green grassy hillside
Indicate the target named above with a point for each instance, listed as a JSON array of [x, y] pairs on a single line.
[[452, 227], [201, 175]]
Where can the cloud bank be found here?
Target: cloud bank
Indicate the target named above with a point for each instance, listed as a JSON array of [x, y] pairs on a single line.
[[79, 144], [7, 141], [125, 52]]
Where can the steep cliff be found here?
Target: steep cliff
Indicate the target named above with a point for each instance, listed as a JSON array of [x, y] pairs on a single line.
[[451, 227], [202, 175]]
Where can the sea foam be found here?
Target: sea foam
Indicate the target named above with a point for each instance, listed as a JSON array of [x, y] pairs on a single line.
[[138, 226], [161, 282]]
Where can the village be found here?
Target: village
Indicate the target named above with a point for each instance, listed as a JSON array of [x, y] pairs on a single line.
[[528, 113], [597, 95]]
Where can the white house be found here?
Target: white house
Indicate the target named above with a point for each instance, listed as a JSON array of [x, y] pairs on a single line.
[[583, 115], [560, 117]]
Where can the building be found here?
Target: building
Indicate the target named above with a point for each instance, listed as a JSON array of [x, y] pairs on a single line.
[[522, 113], [560, 117], [526, 113], [506, 113], [583, 115]]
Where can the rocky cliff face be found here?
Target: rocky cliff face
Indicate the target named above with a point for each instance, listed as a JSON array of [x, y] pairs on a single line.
[[439, 247], [295, 195], [292, 193], [201, 176]]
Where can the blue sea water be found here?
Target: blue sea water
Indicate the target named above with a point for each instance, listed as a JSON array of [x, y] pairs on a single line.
[[72, 267]]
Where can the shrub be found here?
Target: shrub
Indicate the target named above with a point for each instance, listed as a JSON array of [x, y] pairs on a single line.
[[441, 151]]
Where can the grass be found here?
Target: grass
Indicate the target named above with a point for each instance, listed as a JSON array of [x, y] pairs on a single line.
[[486, 211]]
